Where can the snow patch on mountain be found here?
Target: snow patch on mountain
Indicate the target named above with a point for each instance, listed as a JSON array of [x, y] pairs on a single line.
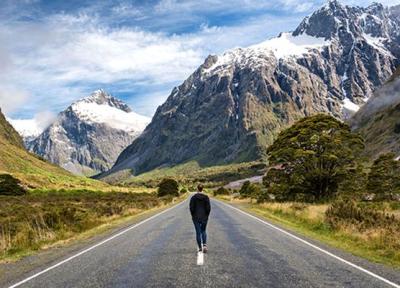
[[286, 45], [349, 105], [115, 118]]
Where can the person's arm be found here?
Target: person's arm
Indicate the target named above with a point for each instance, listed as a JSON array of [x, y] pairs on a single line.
[[208, 206], [191, 206]]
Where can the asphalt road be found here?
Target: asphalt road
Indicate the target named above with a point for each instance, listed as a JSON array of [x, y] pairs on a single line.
[[243, 252]]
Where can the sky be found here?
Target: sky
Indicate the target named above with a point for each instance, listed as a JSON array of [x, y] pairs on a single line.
[[55, 52]]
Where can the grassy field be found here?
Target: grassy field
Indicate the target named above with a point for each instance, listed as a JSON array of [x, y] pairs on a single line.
[[36, 173], [191, 173], [378, 243], [34, 221]]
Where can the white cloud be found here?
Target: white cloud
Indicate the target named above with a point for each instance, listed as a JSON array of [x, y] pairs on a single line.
[[54, 61], [11, 98], [57, 60]]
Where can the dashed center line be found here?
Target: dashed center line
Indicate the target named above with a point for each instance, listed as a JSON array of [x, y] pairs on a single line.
[[200, 258]]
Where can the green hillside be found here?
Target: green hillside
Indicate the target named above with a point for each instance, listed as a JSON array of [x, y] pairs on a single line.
[[8, 133]]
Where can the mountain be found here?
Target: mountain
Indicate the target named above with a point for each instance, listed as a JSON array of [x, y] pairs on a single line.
[[379, 119], [89, 135], [30, 169], [231, 108]]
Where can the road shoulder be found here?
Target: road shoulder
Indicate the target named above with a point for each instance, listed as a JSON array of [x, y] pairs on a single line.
[[56, 252]]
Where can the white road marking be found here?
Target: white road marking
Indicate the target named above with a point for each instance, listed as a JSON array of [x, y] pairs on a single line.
[[200, 258], [94, 246], [316, 247]]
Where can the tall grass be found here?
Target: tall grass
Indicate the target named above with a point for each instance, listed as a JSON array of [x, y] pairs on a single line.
[[31, 221]]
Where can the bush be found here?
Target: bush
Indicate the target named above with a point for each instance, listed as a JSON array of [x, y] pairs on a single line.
[[183, 191], [249, 190], [168, 187], [221, 191], [11, 186], [344, 213]]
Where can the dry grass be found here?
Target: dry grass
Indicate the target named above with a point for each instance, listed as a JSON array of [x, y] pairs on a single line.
[[39, 219]]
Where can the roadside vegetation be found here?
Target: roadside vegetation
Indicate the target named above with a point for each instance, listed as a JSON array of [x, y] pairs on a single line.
[[317, 184], [40, 218]]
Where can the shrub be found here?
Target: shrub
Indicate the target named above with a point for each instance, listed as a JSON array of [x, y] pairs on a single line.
[[249, 190], [168, 187], [343, 213], [11, 186], [184, 191], [221, 191]]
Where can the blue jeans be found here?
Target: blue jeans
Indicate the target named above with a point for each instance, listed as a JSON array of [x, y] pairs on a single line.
[[201, 235]]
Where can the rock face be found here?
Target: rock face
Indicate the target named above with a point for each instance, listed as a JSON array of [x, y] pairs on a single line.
[[231, 108], [89, 135], [379, 119]]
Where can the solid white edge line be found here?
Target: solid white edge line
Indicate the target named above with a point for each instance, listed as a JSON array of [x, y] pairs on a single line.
[[315, 247], [95, 246]]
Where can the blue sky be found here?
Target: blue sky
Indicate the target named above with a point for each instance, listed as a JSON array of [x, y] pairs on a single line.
[[54, 52]]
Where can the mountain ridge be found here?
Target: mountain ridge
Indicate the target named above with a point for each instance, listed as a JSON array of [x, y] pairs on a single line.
[[232, 106]]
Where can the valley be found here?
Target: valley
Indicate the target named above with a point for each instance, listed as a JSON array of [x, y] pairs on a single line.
[[296, 140]]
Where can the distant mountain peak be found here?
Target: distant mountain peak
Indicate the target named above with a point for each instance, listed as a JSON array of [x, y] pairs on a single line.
[[101, 97], [87, 137]]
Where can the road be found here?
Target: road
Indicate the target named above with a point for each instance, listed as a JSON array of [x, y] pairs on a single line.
[[238, 183], [243, 252]]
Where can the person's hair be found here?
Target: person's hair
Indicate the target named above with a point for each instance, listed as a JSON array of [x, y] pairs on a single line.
[[200, 187]]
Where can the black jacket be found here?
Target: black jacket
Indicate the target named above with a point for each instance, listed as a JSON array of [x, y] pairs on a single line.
[[200, 207]]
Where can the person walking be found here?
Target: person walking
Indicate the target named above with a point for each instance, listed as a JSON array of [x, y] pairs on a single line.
[[200, 209]]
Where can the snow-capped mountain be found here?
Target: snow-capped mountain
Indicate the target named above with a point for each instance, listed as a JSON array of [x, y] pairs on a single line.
[[88, 136], [231, 108]]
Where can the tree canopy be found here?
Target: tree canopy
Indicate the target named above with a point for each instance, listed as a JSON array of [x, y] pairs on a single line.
[[311, 158], [384, 177], [168, 187]]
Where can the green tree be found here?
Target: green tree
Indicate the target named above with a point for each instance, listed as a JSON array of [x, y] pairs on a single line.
[[11, 186], [311, 158], [249, 190], [168, 187], [384, 177], [221, 191], [354, 185]]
